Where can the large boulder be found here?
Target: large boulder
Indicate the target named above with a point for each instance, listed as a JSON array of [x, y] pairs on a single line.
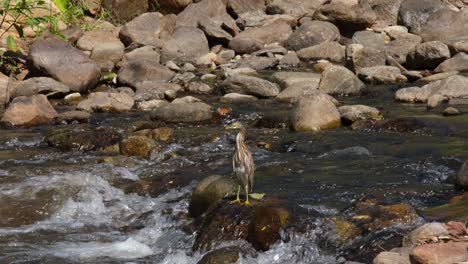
[[461, 180], [187, 44], [340, 81], [381, 75], [254, 39], [209, 192], [134, 73], [315, 113], [147, 91], [424, 233], [106, 102], [331, 51], [144, 53], [171, 6], [428, 55], [369, 39], [83, 138], [146, 29], [458, 63], [239, 7], [105, 47], [358, 57], [29, 111], [312, 33], [214, 9], [294, 8], [401, 45], [39, 85], [250, 85], [440, 253], [125, 9], [386, 12], [183, 113], [414, 13], [53, 56]]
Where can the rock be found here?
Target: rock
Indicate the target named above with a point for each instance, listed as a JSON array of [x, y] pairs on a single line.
[[455, 210], [461, 180], [239, 71], [199, 88], [312, 33], [387, 257], [237, 98], [386, 12], [436, 77], [29, 111], [297, 91], [73, 116], [83, 138], [428, 55], [294, 8], [250, 85], [215, 32], [147, 91], [358, 57], [139, 146], [125, 9], [257, 63], [171, 6], [106, 102], [458, 63], [289, 60], [73, 98], [187, 44], [400, 48], [451, 111], [144, 53], [331, 51], [144, 30], [347, 18], [415, 13], [214, 9], [352, 113], [424, 233], [150, 105], [209, 192], [239, 7], [381, 75], [152, 187], [447, 26], [226, 255], [186, 100], [53, 56], [252, 20], [315, 113], [440, 253], [39, 85], [105, 47], [369, 39], [460, 46], [187, 113], [135, 73], [341, 81], [254, 39], [287, 79]]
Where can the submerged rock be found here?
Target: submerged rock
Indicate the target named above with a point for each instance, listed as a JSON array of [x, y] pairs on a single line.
[[226, 255], [461, 180], [29, 111], [139, 146], [81, 138], [352, 113]]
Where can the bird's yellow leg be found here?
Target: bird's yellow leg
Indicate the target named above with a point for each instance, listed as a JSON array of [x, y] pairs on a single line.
[[237, 200], [247, 194]]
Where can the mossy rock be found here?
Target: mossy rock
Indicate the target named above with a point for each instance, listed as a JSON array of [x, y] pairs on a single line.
[[81, 138], [225, 255], [139, 146]]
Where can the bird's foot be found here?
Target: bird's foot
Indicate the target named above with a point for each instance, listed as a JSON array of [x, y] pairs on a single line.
[[247, 202], [235, 201]]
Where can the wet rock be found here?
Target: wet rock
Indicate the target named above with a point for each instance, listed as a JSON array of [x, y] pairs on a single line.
[[415, 13], [351, 152], [341, 81], [347, 18], [199, 88], [440, 253], [125, 9], [381, 75], [352, 113], [369, 39], [144, 53], [451, 111], [134, 73], [424, 233], [254, 39], [238, 98], [53, 56], [147, 91], [331, 51], [315, 113], [29, 111], [143, 30], [458, 62], [39, 85], [171, 6], [250, 85], [106, 102], [73, 116], [151, 187], [428, 55], [209, 192], [412, 94], [453, 211], [358, 57], [461, 180], [388, 257], [72, 138], [451, 87], [225, 255], [187, 44], [446, 26], [345, 230], [312, 33], [186, 113], [139, 146], [294, 8]]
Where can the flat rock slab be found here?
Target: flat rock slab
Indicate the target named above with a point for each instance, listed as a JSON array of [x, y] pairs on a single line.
[[183, 113]]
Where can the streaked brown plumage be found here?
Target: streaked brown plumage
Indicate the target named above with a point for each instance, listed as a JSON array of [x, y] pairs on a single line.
[[242, 161]]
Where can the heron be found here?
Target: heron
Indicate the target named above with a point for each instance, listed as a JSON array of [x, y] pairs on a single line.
[[242, 162]]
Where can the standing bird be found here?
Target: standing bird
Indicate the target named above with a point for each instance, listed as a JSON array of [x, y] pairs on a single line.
[[242, 162]]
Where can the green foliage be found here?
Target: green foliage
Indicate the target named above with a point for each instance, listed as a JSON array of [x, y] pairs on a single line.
[[62, 5]]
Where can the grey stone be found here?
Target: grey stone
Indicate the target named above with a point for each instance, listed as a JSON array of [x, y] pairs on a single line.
[[250, 85], [340, 81], [312, 33]]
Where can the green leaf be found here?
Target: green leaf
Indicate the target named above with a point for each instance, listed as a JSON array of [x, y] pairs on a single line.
[[109, 76], [62, 5], [6, 4], [11, 44], [257, 196]]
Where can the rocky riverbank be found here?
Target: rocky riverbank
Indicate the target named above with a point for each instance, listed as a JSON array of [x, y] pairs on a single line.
[[295, 72]]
